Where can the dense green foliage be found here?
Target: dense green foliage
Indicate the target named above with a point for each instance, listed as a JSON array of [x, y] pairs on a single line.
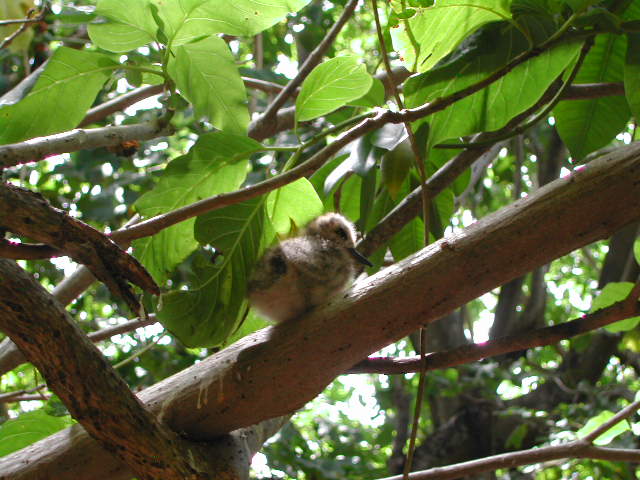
[[206, 53]]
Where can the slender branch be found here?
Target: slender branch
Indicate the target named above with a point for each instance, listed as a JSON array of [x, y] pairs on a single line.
[[575, 449], [312, 60], [39, 148], [513, 343], [25, 23], [19, 21]]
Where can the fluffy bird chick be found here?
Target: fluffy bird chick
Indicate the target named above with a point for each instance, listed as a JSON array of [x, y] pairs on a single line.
[[305, 271]]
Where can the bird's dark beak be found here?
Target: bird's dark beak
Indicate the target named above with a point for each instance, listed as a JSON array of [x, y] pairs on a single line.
[[358, 257]]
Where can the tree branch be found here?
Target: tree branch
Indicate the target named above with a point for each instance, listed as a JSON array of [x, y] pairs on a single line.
[[27, 213], [314, 58], [39, 148], [92, 391], [513, 343], [267, 374]]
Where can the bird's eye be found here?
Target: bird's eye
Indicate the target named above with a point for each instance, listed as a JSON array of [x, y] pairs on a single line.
[[342, 233]]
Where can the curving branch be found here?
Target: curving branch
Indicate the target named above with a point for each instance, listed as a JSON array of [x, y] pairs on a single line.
[[27, 213], [512, 343]]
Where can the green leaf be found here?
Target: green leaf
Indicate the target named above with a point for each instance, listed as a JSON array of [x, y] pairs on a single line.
[[188, 20], [587, 125], [408, 240], [211, 311], [604, 439], [615, 292], [373, 98], [395, 166], [636, 250], [28, 428], [492, 107], [207, 76], [330, 86], [217, 163], [128, 25], [439, 29], [295, 204], [60, 98], [632, 74]]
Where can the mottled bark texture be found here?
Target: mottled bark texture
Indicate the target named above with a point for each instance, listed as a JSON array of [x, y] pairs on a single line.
[[28, 213], [93, 392]]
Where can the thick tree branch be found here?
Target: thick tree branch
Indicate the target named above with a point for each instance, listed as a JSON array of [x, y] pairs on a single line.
[[267, 374], [92, 391], [29, 214], [39, 148]]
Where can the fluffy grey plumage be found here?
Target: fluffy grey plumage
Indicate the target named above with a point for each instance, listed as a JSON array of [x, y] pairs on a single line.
[[305, 271]]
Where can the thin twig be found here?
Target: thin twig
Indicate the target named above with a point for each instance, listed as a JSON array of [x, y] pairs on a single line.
[[617, 418], [312, 60]]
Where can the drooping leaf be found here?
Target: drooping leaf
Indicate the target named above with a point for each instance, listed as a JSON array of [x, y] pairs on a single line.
[[586, 125], [615, 292], [604, 439], [60, 98], [636, 250], [632, 73], [439, 29], [330, 86], [206, 74], [492, 107], [126, 25], [188, 20], [395, 167], [217, 163], [28, 428]]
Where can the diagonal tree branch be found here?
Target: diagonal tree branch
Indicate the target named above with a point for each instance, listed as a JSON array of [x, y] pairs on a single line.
[[267, 373], [90, 388], [27, 213]]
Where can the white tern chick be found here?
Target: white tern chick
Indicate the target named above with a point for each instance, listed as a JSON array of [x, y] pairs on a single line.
[[306, 271]]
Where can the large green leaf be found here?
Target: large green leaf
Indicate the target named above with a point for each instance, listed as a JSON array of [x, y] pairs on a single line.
[[60, 98], [126, 25], [208, 313], [207, 75], [187, 20], [632, 73], [212, 310], [330, 86], [439, 29], [586, 125], [217, 163], [492, 107], [28, 428]]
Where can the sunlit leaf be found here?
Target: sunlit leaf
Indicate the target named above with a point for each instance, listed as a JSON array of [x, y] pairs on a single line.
[[615, 292], [330, 86], [207, 75], [126, 25], [28, 428], [187, 20], [217, 163], [60, 98], [604, 439], [439, 29]]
